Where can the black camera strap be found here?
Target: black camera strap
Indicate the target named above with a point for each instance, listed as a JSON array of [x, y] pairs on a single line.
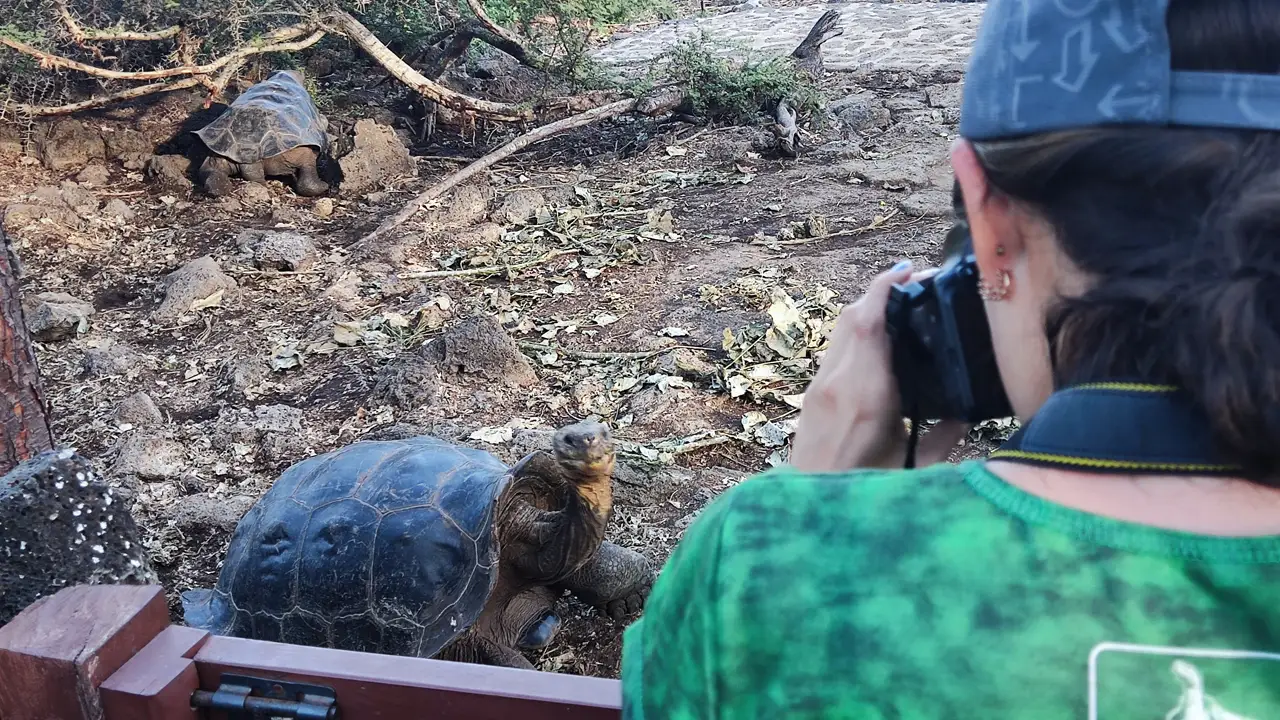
[[1119, 427]]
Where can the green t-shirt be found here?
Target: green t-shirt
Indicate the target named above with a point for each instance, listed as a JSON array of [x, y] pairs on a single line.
[[945, 592]]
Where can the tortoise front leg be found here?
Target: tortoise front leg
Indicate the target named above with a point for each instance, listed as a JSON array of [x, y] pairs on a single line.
[[471, 647], [531, 541], [215, 175], [253, 172], [616, 581]]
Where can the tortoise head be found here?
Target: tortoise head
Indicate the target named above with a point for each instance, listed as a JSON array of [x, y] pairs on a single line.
[[584, 450]]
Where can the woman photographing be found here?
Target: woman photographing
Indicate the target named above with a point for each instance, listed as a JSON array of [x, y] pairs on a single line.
[[1125, 220]]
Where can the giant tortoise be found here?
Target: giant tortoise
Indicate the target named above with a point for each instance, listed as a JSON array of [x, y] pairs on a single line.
[[272, 130], [422, 547]]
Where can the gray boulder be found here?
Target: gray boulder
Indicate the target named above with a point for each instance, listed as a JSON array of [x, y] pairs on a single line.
[[61, 525], [55, 316], [377, 156]]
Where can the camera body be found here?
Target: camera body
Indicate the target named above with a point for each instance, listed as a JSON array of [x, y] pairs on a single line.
[[942, 353]]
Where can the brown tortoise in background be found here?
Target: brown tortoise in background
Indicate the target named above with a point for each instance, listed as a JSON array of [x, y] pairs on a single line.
[[422, 547], [272, 130]]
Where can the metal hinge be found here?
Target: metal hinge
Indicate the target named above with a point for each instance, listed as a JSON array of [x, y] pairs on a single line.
[[241, 696]]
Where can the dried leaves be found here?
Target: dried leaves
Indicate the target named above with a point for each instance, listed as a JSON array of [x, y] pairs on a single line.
[[775, 362]]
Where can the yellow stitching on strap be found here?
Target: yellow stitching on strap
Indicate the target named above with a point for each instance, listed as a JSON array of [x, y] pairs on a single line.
[[1122, 386], [1114, 464]]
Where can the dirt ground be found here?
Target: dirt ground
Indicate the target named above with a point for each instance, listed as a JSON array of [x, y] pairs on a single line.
[[615, 258]]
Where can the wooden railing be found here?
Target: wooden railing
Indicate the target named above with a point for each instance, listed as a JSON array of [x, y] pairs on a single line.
[[109, 653]]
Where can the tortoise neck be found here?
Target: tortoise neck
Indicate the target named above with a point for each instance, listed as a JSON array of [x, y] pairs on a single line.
[[595, 488]]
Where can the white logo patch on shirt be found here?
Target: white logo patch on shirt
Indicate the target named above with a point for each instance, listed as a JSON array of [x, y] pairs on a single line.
[[1129, 681]]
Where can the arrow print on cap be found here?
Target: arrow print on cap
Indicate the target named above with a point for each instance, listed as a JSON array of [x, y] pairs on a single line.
[[1113, 103], [1084, 10], [1025, 45], [1115, 25], [1078, 58]]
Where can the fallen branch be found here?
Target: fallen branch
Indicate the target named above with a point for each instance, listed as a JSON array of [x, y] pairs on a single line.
[[808, 54], [226, 67], [505, 40], [661, 100], [701, 444], [81, 35], [444, 158], [341, 22], [875, 224], [276, 41], [578, 103], [516, 145], [274, 273], [104, 100], [219, 83], [486, 270], [602, 355]]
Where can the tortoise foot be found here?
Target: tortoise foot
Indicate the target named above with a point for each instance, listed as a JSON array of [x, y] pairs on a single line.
[[622, 608]]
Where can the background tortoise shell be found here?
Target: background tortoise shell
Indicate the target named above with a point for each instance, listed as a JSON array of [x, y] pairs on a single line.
[[377, 546], [271, 117]]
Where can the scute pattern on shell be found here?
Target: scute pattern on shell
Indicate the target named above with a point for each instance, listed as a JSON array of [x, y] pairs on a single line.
[[271, 117], [378, 546], [60, 525]]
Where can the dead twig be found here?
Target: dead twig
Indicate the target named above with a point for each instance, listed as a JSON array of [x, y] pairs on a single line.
[[82, 36], [516, 145], [219, 83], [701, 444], [274, 273], [282, 40], [486, 270], [602, 355], [104, 100], [445, 158], [875, 224], [227, 66]]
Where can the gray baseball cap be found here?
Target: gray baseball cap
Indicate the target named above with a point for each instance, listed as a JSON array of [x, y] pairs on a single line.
[[1042, 65]]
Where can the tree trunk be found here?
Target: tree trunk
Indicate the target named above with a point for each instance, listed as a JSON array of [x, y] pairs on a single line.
[[24, 422], [808, 54]]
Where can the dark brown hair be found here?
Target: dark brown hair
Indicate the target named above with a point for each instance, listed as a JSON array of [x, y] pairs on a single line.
[[1180, 229]]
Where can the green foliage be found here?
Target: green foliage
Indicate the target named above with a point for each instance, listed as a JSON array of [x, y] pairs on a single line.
[[564, 29], [736, 92], [31, 37], [406, 25]]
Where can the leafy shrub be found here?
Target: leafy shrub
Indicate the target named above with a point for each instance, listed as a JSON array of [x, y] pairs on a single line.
[[564, 29], [404, 25], [723, 90]]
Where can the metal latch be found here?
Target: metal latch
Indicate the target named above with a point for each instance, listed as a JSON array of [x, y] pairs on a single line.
[[241, 696]]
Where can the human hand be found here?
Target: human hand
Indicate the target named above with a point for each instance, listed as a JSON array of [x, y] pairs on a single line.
[[852, 415]]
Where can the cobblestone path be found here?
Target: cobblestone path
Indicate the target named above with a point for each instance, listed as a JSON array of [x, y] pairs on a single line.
[[919, 37]]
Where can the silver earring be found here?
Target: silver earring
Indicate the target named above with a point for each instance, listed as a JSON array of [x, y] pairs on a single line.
[[991, 293]]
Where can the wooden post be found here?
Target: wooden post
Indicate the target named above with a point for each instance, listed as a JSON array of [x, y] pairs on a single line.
[[55, 654], [24, 432], [158, 682]]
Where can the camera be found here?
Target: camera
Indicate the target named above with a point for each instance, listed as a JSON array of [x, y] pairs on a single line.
[[941, 343]]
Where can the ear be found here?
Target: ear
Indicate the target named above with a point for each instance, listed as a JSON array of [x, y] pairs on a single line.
[[997, 238]]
